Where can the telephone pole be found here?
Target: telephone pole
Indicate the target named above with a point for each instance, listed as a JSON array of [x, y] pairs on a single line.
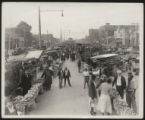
[[39, 19], [61, 35], [39, 28]]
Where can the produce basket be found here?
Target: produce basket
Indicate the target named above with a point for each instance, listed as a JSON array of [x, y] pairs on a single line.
[[122, 108]]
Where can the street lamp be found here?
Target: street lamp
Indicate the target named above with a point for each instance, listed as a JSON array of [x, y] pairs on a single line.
[[39, 11]]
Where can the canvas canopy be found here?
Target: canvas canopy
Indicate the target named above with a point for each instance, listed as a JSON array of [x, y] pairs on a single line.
[[34, 54], [51, 51], [104, 56]]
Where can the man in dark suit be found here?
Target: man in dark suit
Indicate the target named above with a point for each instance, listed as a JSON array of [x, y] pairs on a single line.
[[92, 94], [120, 83], [47, 74], [67, 75], [61, 77], [26, 82], [79, 65]]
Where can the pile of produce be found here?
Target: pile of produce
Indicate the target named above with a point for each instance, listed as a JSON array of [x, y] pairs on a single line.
[[20, 102], [29, 98], [122, 108]]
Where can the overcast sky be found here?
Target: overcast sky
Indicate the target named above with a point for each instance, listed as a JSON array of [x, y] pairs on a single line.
[[78, 17]]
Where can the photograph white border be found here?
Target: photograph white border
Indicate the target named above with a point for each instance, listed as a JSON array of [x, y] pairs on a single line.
[[141, 78]]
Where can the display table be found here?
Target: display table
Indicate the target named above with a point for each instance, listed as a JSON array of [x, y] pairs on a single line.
[[21, 103]]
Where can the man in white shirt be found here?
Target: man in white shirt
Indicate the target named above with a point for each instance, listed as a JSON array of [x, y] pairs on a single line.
[[86, 77], [131, 90], [120, 83]]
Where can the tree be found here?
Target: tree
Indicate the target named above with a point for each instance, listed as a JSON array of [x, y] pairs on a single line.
[[24, 30]]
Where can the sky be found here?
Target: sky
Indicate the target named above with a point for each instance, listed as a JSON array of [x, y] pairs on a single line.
[[78, 17]]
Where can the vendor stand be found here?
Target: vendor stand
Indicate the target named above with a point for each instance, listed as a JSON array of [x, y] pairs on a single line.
[[107, 61], [56, 63], [20, 102]]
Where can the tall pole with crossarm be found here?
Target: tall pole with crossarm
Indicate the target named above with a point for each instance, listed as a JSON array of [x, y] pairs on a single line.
[[39, 28], [39, 15]]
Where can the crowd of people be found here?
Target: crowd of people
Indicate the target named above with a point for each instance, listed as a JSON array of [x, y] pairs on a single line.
[[63, 73], [103, 87]]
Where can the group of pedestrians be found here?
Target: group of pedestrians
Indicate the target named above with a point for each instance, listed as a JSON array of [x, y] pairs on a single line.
[[100, 85], [64, 75], [101, 88]]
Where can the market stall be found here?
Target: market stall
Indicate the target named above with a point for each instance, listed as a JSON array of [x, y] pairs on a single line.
[[21, 103], [106, 61], [56, 63]]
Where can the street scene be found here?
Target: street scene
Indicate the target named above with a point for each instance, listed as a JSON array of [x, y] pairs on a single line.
[[60, 62]]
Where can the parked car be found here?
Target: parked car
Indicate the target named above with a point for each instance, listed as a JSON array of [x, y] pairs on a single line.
[[17, 51]]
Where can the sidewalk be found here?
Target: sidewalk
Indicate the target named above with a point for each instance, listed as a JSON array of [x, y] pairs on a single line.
[[66, 101]]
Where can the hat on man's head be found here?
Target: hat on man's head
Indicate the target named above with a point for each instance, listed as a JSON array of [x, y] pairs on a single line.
[[119, 71], [103, 75], [27, 71]]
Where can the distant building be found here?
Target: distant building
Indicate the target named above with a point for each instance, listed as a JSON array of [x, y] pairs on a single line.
[[93, 35], [12, 39], [107, 34], [115, 35], [127, 36], [46, 40]]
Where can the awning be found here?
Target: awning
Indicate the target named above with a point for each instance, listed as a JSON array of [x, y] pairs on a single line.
[[56, 48], [51, 51], [49, 48], [34, 54], [104, 56]]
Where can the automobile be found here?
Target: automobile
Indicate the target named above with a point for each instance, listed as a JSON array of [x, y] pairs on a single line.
[[17, 51]]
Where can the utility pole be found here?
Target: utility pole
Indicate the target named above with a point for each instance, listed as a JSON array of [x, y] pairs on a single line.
[[64, 36], [39, 28], [39, 18], [9, 44], [48, 43], [107, 37], [61, 35]]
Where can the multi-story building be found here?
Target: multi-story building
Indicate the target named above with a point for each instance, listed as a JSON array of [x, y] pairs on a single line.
[[12, 39], [115, 35], [47, 40], [103, 35], [127, 36], [93, 35]]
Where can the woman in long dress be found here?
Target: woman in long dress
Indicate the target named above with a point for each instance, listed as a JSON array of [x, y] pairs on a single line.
[[104, 103]]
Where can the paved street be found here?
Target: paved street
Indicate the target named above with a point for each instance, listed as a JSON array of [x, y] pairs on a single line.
[[66, 101]]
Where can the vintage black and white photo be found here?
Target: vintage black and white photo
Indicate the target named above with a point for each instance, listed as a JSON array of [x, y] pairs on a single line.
[[72, 60]]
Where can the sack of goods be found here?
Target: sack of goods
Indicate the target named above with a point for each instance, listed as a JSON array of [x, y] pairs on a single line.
[[122, 108], [20, 107], [17, 99], [113, 93]]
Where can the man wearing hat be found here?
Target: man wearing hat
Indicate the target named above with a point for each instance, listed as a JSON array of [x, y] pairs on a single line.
[[47, 74], [120, 83], [131, 89], [92, 94], [26, 82], [86, 77]]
